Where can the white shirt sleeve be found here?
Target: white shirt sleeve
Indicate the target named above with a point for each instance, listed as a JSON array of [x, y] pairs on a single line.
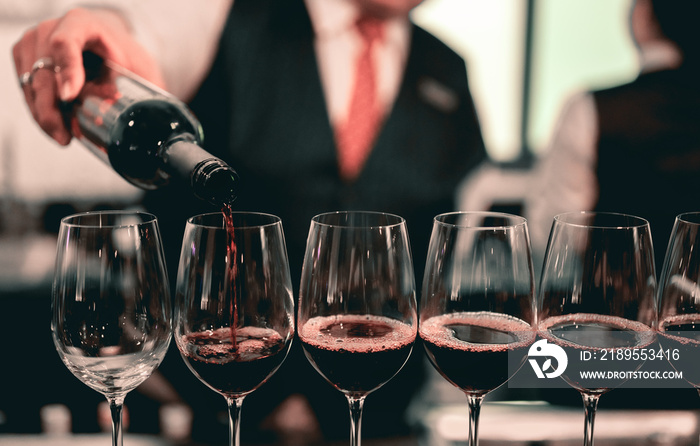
[[564, 180], [181, 35]]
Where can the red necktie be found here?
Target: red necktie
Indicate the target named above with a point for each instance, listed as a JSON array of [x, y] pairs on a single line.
[[356, 136]]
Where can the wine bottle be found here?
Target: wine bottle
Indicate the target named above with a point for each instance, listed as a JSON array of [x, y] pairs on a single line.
[[147, 135]]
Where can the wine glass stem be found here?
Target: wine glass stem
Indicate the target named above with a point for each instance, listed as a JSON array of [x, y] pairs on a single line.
[[590, 405], [234, 420], [115, 408], [356, 405], [474, 402]]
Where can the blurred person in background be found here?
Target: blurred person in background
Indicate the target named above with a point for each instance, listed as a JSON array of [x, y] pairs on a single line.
[[274, 84], [633, 148]]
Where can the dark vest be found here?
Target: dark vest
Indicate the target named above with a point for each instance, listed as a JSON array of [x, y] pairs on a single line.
[[649, 150]]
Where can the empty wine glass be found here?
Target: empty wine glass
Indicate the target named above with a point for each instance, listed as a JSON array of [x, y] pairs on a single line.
[[679, 297], [597, 293], [234, 305], [357, 305], [478, 302], [111, 320]]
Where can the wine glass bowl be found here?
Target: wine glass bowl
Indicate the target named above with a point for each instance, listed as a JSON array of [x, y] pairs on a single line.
[[111, 321], [477, 303], [679, 297], [234, 305], [597, 293], [357, 312]]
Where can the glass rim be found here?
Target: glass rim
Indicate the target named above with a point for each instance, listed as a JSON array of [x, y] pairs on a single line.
[[579, 219], [273, 220], [517, 220], [317, 219], [691, 218], [73, 220]]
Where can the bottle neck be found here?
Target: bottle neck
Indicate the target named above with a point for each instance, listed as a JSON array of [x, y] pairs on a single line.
[[210, 178], [216, 182], [181, 155]]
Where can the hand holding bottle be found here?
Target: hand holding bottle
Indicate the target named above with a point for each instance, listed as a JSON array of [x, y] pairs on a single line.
[[59, 45], [92, 81]]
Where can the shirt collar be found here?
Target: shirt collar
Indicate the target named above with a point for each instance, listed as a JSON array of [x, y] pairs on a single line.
[[331, 17]]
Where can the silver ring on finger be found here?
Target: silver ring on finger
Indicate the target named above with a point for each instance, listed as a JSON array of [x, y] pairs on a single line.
[[45, 62], [25, 79], [41, 63]]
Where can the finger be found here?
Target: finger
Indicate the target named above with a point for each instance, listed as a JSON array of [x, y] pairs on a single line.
[[39, 94], [20, 49], [24, 53], [43, 88], [71, 75], [47, 113], [75, 33]]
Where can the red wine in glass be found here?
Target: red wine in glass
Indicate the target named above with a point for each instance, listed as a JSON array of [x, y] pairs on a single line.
[[679, 308], [357, 353], [233, 360], [680, 340], [597, 291], [477, 304], [234, 368], [357, 307], [595, 333], [471, 349], [235, 320]]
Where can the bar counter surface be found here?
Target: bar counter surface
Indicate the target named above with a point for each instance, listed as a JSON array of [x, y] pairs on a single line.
[[507, 424]]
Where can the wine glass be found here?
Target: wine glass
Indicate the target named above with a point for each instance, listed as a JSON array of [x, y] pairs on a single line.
[[478, 302], [679, 297], [111, 319], [357, 304], [597, 295], [234, 306]]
